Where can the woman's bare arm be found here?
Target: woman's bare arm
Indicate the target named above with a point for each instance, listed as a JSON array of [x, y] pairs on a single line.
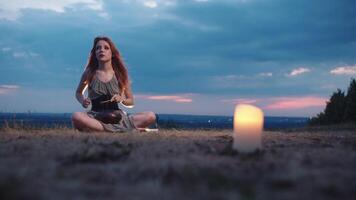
[[129, 99], [83, 83]]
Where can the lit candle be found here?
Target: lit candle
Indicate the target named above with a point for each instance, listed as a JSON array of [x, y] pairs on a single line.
[[248, 127]]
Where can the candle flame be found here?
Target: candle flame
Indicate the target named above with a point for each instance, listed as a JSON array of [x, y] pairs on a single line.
[[247, 114]]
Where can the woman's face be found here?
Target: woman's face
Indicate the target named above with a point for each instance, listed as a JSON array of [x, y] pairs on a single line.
[[103, 51]]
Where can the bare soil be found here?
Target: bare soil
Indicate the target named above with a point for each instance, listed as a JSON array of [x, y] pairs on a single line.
[[170, 164]]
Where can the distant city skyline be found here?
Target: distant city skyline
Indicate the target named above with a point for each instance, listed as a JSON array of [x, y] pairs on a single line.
[[184, 57]]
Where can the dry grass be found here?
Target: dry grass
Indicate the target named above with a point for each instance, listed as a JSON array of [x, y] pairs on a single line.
[[64, 164]]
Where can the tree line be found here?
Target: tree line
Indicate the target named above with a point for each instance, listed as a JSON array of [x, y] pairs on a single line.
[[341, 107]]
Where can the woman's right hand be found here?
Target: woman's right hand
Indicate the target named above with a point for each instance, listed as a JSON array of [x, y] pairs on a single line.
[[86, 102]]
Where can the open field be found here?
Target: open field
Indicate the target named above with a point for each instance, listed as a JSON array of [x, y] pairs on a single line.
[[171, 164]]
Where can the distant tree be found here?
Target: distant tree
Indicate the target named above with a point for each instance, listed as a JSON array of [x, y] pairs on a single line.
[[350, 107], [340, 108], [318, 120], [335, 108], [333, 112]]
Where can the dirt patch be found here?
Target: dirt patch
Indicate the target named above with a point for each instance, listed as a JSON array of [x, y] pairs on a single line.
[[62, 164]]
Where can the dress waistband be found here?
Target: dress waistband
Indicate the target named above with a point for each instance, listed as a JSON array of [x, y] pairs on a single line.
[[98, 104]]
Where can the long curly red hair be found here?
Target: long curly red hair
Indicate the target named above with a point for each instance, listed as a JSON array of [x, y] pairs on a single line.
[[117, 62]]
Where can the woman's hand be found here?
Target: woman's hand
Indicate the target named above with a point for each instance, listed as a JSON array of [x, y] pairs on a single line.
[[118, 98], [86, 102]]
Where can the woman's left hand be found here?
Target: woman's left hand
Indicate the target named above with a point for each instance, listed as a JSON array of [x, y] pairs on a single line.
[[117, 98]]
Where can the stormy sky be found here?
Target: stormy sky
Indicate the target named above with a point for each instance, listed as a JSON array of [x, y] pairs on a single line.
[[184, 57]]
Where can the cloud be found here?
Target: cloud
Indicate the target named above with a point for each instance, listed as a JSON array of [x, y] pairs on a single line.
[[197, 25], [183, 100], [291, 103], [345, 70], [175, 98], [19, 54], [5, 49], [298, 71], [5, 89], [12, 10], [23, 54], [265, 74], [250, 38], [240, 101], [281, 103], [201, 0], [150, 4], [179, 99]]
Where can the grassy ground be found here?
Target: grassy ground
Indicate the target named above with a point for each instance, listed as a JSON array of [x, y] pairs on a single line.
[[64, 164]]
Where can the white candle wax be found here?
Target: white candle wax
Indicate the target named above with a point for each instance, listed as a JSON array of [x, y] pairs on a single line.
[[248, 127]]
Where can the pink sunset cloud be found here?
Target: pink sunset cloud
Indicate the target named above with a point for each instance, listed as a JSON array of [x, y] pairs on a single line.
[[4, 89], [167, 97], [344, 70], [175, 98], [281, 103], [183, 100], [290, 103], [298, 71]]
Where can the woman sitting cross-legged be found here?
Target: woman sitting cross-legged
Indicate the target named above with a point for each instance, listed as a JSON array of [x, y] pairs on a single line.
[[107, 81]]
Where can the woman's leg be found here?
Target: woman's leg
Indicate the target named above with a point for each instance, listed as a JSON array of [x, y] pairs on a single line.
[[143, 119], [83, 122]]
